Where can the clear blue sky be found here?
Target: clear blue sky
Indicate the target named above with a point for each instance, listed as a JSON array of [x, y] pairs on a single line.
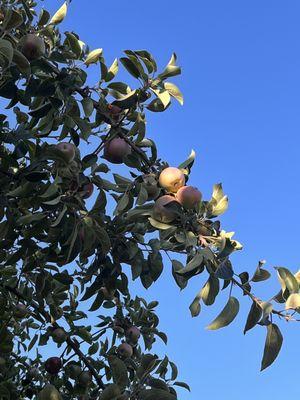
[[241, 81]]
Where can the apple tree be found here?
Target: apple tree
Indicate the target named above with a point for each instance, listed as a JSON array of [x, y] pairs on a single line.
[[75, 231]]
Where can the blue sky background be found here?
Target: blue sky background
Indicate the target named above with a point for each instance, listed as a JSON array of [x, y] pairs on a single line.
[[241, 83]]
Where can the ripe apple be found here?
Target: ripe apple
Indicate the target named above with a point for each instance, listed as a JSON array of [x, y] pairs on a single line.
[[160, 212], [85, 378], [125, 350], [49, 392], [20, 311], [32, 46], [87, 190], [53, 365], [171, 179], [59, 335], [188, 197], [133, 334], [68, 149], [115, 150]]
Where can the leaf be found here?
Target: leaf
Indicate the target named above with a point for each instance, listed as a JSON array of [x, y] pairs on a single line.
[[93, 57], [180, 280], [103, 238], [187, 164], [183, 385], [226, 316], [6, 53], [159, 225], [130, 67], [60, 15], [273, 345], [118, 371], [195, 307], [260, 273], [174, 91], [21, 62], [293, 302], [156, 394], [163, 96], [193, 265], [218, 203], [254, 316], [210, 290], [287, 280], [112, 71], [32, 342]]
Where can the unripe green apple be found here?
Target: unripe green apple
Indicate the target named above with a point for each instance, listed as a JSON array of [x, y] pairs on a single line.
[[171, 179], [189, 197], [125, 350], [32, 46], [160, 212], [151, 186], [68, 149], [59, 335], [115, 150], [49, 392]]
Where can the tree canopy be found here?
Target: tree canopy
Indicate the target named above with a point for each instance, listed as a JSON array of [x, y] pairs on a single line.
[[74, 231]]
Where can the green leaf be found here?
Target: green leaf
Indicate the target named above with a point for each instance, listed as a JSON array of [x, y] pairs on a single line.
[[183, 385], [273, 345], [174, 91], [32, 342], [210, 290], [130, 67], [163, 96], [6, 53], [254, 316], [156, 394], [93, 57], [226, 316], [112, 71], [180, 280], [195, 306], [118, 371], [21, 62], [287, 280], [293, 302], [218, 203], [88, 106], [187, 164], [60, 14], [159, 225]]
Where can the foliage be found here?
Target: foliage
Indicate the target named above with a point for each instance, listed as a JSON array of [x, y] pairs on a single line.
[[59, 256]]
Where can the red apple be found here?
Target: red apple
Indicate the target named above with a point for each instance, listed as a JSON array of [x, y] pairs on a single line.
[[125, 350], [59, 335], [53, 365], [115, 150], [133, 334], [162, 213], [32, 46], [188, 196]]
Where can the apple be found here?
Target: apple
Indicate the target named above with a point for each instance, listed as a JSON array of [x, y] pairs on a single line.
[[133, 334], [85, 378], [59, 335], [125, 350], [20, 311], [115, 150], [87, 190], [32, 46], [188, 197], [53, 365], [151, 186], [68, 149], [49, 392], [160, 212], [171, 179]]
